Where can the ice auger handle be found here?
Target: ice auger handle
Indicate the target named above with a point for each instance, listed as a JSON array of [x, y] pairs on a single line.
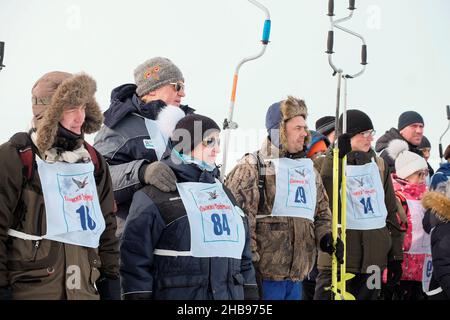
[[266, 32], [330, 41], [331, 8], [364, 55], [351, 5]]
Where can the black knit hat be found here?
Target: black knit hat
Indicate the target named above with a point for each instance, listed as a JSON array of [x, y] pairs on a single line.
[[326, 125], [407, 118], [190, 131], [357, 122], [425, 143]]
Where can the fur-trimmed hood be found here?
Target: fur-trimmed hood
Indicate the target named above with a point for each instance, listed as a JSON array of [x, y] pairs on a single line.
[[74, 91], [438, 203]]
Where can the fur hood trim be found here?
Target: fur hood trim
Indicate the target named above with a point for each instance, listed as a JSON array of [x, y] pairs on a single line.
[[438, 203], [168, 118]]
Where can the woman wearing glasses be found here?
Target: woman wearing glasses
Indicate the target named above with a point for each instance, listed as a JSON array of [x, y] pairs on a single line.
[[373, 236], [410, 185], [192, 243]]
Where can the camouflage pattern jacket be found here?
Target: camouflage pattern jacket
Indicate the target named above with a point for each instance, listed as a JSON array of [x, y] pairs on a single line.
[[284, 248]]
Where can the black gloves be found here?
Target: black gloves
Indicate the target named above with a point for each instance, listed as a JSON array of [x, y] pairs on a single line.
[[344, 145], [394, 272], [326, 245], [5, 293], [109, 289]]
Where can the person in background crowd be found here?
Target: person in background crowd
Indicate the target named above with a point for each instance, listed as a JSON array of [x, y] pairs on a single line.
[[410, 184], [326, 126], [436, 221], [410, 129], [425, 148]]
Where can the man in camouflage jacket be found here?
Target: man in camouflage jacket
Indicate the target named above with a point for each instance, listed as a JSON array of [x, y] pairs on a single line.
[[284, 248]]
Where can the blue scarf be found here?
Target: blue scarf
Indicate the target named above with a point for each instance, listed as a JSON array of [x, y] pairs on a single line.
[[199, 163]]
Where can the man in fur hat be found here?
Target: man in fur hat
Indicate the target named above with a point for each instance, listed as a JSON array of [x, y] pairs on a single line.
[[285, 202], [138, 123], [57, 229]]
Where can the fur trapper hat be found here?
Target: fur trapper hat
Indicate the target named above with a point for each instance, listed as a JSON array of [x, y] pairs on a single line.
[[76, 90], [278, 114]]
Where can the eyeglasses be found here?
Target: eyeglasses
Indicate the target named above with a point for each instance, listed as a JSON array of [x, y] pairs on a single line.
[[422, 173], [211, 142], [178, 86], [368, 133]]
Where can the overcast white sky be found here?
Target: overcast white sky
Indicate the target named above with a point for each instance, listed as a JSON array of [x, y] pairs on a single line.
[[408, 55]]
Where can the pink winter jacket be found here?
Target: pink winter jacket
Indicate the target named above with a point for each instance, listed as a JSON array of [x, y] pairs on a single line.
[[412, 262]]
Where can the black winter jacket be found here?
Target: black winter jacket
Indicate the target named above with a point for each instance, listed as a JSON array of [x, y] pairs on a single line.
[[159, 220], [437, 222]]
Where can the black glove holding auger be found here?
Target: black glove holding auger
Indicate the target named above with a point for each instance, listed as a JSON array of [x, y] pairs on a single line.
[[326, 245], [344, 145]]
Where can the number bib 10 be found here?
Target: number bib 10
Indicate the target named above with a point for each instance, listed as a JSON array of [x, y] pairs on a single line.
[[72, 210], [366, 209], [216, 226], [296, 192]]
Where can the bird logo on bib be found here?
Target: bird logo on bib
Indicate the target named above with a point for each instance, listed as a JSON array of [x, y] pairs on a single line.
[[296, 192], [366, 209], [73, 212]]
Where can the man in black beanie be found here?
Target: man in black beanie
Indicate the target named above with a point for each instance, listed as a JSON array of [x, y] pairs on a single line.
[[373, 238], [410, 129]]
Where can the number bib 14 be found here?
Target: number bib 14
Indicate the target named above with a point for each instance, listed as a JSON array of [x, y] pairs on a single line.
[[366, 209], [216, 226]]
